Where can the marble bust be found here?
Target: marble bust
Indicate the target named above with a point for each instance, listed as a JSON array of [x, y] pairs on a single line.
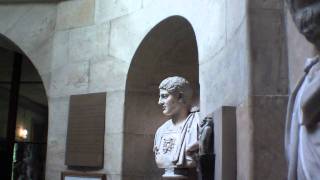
[[176, 141], [302, 137]]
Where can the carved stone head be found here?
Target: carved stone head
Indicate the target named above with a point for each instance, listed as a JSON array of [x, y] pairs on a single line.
[[306, 15], [175, 96]]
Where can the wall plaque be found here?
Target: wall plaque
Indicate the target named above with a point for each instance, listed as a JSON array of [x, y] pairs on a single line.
[[82, 176], [86, 126]]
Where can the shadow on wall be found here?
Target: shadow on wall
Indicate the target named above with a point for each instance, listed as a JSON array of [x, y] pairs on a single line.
[[169, 49]]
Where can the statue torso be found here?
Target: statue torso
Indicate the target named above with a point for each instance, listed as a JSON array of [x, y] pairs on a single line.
[[171, 142], [307, 151]]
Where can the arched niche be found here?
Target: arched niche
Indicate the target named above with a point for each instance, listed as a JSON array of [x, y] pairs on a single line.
[[169, 49], [23, 115]]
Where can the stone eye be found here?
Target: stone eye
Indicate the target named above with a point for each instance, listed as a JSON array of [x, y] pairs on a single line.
[[164, 96]]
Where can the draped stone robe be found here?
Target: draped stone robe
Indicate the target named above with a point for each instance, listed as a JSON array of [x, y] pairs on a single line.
[[302, 137], [171, 143]]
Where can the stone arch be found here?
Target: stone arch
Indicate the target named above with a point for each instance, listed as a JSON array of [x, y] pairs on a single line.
[[169, 49], [8, 44], [24, 100]]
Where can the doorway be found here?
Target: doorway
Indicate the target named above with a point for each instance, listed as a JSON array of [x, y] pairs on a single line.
[[23, 118]]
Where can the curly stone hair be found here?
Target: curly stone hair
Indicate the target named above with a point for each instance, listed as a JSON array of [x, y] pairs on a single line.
[[179, 87]]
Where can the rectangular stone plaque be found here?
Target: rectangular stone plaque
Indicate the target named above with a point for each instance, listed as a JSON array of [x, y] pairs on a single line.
[[82, 176], [86, 129]]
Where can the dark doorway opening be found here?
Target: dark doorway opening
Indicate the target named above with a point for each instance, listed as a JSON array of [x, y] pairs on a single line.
[[23, 118]]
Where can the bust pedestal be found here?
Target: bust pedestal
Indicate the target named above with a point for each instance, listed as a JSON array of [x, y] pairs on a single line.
[[180, 174]]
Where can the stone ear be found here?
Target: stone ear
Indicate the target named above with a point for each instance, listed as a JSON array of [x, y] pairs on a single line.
[[181, 98]]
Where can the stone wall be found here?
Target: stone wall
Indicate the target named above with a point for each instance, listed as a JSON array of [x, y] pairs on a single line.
[[31, 28], [71, 53], [86, 46], [225, 76], [269, 88], [82, 63]]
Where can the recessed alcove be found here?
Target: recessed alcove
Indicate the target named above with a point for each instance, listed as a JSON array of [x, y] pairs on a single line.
[[169, 49]]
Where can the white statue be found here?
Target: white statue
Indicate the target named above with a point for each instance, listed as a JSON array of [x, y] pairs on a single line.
[[302, 140], [176, 141]]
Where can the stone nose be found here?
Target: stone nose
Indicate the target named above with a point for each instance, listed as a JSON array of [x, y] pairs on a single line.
[[160, 102]]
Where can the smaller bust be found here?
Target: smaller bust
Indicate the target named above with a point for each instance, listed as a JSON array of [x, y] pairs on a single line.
[[206, 150], [176, 141]]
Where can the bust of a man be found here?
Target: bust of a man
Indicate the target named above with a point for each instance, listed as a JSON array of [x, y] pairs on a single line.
[[176, 141], [302, 141]]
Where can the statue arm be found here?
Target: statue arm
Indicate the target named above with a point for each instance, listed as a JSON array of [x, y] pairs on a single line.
[[193, 145], [193, 148]]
